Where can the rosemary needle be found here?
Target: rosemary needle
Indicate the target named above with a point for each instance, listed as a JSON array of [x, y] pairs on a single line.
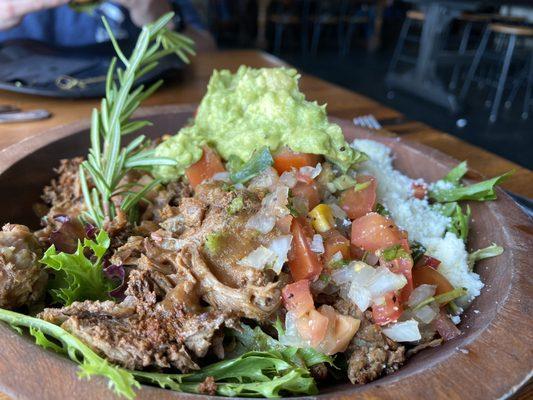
[[108, 162]]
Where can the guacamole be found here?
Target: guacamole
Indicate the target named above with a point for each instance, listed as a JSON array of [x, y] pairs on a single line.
[[251, 109]]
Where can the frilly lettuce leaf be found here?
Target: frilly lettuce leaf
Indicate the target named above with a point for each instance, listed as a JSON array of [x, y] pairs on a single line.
[[79, 276]]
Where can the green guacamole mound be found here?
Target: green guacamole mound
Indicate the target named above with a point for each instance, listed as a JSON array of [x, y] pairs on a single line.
[[250, 109]]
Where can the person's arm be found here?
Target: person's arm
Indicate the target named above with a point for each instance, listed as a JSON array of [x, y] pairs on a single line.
[[12, 11], [143, 12]]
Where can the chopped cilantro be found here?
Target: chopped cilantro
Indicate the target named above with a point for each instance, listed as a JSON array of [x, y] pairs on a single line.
[[236, 205], [380, 209], [394, 252], [361, 186], [417, 250], [213, 242]]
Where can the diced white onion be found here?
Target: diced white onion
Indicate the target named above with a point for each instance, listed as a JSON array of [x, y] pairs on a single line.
[[406, 331], [261, 222], [346, 223], [259, 258], [311, 172], [336, 257], [337, 211], [348, 274], [420, 294], [265, 180], [425, 314], [291, 336], [288, 179], [365, 285], [360, 296], [280, 246], [221, 176], [275, 203], [385, 281], [317, 245]]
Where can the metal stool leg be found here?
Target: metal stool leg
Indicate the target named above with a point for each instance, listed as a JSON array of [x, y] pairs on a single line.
[[316, 37], [529, 84], [399, 46], [462, 50], [503, 78], [278, 37], [348, 40], [475, 64]]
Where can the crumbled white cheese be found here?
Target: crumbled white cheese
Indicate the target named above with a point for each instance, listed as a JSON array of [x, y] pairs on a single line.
[[424, 224]]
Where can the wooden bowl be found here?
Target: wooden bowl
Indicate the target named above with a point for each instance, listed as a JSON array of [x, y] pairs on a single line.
[[492, 359]]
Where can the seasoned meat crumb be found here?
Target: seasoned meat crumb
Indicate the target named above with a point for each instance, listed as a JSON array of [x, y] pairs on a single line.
[[370, 353], [208, 386], [22, 279]]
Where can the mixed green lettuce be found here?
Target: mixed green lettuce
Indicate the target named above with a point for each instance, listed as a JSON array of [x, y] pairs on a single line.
[[261, 366], [79, 276], [450, 188]]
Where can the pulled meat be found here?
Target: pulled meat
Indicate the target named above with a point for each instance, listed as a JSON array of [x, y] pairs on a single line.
[[191, 279], [152, 327], [64, 195], [250, 301], [22, 280], [205, 217], [370, 353]]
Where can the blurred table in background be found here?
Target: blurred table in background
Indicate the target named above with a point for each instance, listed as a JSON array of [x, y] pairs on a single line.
[[341, 103]]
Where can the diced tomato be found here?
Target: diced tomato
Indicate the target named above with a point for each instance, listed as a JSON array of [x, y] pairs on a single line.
[[307, 191], [425, 274], [360, 202], [341, 329], [429, 261], [403, 266], [373, 232], [420, 190], [287, 159], [389, 311], [445, 327], [303, 262], [207, 166], [312, 327], [335, 242], [297, 297]]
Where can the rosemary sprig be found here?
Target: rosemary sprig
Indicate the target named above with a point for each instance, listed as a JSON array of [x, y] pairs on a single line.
[[108, 162]]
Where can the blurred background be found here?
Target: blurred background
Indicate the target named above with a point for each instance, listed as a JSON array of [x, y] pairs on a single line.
[[463, 67]]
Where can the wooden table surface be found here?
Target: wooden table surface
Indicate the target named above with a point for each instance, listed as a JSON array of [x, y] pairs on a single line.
[[340, 103]]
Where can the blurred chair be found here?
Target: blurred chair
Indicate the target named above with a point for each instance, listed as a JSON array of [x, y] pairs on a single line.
[[226, 19], [289, 13], [469, 22], [352, 15], [326, 14], [510, 43], [413, 20]]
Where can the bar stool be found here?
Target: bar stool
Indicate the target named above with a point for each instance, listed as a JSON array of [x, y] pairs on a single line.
[[288, 14], [412, 18], [470, 21], [509, 33], [327, 14]]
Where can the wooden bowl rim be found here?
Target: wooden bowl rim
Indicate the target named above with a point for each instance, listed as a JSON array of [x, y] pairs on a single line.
[[511, 312]]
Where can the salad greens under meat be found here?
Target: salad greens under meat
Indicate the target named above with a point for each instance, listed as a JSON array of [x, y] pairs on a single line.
[[256, 253]]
